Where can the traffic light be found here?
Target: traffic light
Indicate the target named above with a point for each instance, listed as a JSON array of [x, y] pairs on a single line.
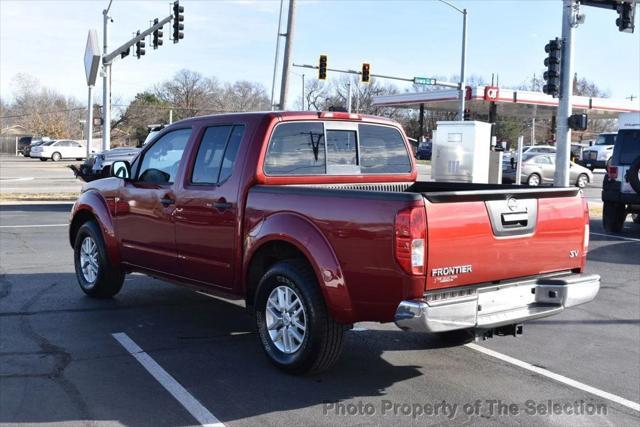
[[625, 19], [552, 62], [322, 68], [578, 122], [365, 73], [157, 35], [140, 47], [178, 18]]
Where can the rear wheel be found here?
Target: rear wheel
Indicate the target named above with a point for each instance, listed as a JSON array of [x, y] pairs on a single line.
[[582, 180], [533, 180], [56, 156], [96, 277], [294, 326], [613, 216]]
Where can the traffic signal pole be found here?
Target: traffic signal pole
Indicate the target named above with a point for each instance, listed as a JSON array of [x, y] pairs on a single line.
[[563, 133]]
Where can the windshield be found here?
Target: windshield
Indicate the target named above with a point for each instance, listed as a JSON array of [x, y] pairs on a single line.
[[606, 139]]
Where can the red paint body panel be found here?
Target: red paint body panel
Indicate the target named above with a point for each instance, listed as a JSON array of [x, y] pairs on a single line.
[[462, 235], [346, 235]]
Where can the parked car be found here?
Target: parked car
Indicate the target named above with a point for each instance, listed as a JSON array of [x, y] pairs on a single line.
[[600, 152], [621, 185], [539, 169], [59, 149], [316, 220], [424, 150], [26, 152]]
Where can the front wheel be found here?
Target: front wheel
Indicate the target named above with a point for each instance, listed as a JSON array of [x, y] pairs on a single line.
[[295, 328], [533, 180], [613, 216], [582, 180], [43, 159], [56, 156], [96, 277]]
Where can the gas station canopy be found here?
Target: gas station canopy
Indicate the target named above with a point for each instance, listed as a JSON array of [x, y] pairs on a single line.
[[510, 103]]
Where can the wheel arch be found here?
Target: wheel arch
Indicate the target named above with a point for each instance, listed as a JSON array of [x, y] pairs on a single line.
[[92, 206], [289, 235]]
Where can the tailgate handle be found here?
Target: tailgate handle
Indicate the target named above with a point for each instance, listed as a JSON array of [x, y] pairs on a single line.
[[515, 219]]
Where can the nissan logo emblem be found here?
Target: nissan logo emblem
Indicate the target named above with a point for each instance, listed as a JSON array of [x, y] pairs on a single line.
[[512, 204]]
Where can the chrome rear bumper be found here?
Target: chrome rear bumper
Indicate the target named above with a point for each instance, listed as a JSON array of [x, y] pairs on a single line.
[[496, 305]]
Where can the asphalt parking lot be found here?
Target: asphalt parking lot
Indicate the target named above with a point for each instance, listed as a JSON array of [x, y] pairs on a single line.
[[60, 361]]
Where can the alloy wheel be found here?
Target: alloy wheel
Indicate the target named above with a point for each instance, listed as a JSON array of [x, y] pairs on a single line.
[[89, 259], [286, 319]]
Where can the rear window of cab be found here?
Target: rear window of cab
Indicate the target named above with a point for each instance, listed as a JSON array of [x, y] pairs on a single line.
[[335, 148]]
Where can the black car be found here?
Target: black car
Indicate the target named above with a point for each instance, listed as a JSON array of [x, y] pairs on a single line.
[[23, 143], [424, 150]]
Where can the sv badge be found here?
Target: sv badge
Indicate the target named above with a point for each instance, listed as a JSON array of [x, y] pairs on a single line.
[[573, 254]]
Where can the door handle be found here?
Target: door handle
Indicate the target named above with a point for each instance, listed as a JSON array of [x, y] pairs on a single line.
[[167, 201], [222, 203]]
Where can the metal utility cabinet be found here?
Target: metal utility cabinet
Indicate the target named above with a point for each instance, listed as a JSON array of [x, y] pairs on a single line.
[[461, 152]]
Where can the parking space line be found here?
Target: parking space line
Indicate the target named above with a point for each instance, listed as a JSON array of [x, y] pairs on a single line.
[[34, 226], [631, 239], [568, 381], [189, 402]]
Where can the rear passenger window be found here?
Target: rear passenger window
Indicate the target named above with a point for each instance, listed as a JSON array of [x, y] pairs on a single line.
[[382, 150], [296, 149], [216, 154]]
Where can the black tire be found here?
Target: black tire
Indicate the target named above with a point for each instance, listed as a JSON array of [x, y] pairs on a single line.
[[613, 216], [323, 337], [43, 159], [634, 179], [531, 180], [109, 278], [56, 156]]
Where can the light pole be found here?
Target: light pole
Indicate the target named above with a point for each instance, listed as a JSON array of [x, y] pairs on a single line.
[[464, 54], [106, 83]]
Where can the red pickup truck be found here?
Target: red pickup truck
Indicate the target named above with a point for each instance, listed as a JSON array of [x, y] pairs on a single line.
[[317, 221]]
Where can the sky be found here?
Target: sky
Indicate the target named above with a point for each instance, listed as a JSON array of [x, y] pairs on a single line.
[[235, 40]]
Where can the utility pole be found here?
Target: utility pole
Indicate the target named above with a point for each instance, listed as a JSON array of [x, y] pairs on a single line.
[[286, 64], [349, 96], [570, 9], [277, 56], [106, 82]]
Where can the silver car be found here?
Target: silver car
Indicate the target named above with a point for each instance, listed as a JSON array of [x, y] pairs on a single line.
[[538, 169]]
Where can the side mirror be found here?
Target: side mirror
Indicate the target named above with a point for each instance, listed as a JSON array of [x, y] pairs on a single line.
[[121, 169]]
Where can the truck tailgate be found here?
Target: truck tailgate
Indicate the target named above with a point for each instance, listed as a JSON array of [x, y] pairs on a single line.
[[484, 237]]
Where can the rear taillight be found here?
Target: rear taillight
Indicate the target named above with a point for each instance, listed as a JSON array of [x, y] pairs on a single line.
[[410, 240], [585, 239], [612, 171]]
